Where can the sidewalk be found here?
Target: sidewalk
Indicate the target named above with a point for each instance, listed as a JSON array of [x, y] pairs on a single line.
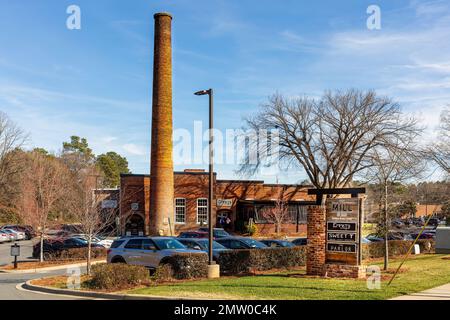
[[438, 293]]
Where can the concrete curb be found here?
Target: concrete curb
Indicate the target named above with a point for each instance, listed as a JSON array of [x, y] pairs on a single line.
[[95, 295], [60, 267]]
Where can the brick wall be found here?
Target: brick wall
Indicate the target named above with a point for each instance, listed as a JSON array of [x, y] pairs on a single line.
[[316, 229], [194, 185]]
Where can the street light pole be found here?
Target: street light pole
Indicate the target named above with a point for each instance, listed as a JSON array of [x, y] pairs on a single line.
[[211, 176], [209, 92]]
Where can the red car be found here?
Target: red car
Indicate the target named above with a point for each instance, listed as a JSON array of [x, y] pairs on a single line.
[[424, 235], [193, 234]]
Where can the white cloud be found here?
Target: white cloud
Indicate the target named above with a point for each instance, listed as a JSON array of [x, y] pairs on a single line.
[[134, 149]]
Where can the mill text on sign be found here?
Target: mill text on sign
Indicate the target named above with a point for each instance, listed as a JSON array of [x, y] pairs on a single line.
[[343, 209]]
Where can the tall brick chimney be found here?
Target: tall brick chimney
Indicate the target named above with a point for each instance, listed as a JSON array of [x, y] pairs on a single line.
[[161, 167]]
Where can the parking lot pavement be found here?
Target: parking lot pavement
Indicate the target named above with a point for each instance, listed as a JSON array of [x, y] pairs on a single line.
[[8, 290], [26, 250]]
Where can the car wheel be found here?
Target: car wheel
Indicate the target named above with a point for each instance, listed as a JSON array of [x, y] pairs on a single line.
[[118, 259], [47, 256], [165, 270]]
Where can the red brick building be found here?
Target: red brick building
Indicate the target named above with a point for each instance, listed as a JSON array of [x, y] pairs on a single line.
[[238, 200]]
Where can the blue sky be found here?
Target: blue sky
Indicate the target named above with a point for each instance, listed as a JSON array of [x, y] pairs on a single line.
[[96, 82]]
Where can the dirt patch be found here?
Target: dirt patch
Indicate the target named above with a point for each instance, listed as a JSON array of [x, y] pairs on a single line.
[[37, 265]]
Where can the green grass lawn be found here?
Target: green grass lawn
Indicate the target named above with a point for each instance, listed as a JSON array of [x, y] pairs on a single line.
[[418, 273]]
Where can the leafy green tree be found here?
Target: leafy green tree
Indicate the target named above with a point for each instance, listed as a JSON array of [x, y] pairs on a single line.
[[80, 146], [77, 155], [112, 165]]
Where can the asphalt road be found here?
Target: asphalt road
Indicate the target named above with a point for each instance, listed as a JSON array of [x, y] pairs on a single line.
[[8, 290], [9, 281], [26, 250]]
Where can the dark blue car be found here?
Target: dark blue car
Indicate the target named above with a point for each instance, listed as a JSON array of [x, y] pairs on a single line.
[[203, 245], [278, 243]]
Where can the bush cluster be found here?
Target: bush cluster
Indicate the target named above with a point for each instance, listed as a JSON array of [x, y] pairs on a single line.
[[117, 276], [396, 248], [244, 261], [74, 254], [185, 266]]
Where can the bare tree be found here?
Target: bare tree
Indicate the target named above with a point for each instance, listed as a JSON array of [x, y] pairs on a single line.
[[276, 214], [395, 162], [331, 138], [12, 138], [43, 183], [89, 209], [440, 151]]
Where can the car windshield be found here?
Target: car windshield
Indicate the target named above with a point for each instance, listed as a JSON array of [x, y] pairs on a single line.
[[205, 243], [168, 244], [221, 233], [79, 240], [253, 243], [287, 244], [117, 243]]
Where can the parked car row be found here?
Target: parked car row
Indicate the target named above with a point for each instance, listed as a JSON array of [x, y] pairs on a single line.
[[154, 251], [416, 222], [427, 234], [231, 242], [51, 246], [204, 233], [12, 233]]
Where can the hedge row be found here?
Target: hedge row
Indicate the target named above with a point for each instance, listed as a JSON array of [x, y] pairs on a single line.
[[249, 260], [234, 262], [396, 248], [187, 265], [74, 254], [117, 276]]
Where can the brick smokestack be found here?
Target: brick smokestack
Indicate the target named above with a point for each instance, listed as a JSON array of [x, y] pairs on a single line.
[[161, 167]]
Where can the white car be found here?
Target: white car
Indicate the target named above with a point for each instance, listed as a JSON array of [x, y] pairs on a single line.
[[4, 237], [18, 235], [106, 243], [12, 236]]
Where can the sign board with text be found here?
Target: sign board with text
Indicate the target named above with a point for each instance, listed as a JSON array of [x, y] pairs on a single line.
[[342, 238], [224, 203]]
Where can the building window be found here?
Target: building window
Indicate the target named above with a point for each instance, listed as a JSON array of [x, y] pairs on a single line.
[[180, 210], [297, 209], [202, 210]]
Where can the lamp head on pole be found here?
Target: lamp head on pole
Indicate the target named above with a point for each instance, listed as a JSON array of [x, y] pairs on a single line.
[[202, 92]]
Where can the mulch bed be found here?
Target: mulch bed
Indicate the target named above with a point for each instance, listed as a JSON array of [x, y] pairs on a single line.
[[36, 264]]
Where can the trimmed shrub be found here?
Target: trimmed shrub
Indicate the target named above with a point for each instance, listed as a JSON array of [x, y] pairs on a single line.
[[245, 261], [251, 229], [74, 254], [187, 265], [163, 273], [117, 276], [396, 248]]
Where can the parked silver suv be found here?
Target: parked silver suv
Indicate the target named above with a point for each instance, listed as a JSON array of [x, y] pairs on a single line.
[[146, 251]]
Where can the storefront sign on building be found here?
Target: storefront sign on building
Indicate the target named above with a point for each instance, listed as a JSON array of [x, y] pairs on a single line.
[[224, 203], [109, 204]]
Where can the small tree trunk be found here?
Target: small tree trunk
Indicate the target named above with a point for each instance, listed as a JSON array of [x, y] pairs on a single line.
[[88, 265], [386, 228], [41, 253]]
